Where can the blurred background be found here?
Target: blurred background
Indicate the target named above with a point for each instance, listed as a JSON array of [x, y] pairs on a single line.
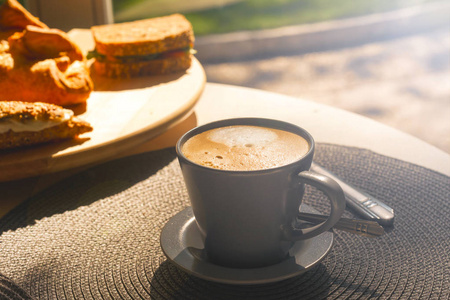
[[388, 60]]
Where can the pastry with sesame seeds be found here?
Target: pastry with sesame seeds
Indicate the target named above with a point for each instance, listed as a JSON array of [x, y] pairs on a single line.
[[25, 124]]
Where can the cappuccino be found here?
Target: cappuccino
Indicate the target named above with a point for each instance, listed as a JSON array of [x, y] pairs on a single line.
[[245, 148]]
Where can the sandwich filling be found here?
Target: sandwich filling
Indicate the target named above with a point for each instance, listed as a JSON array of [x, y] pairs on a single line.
[[139, 58], [30, 123]]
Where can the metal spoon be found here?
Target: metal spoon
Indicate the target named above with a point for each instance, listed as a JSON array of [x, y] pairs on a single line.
[[359, 227]]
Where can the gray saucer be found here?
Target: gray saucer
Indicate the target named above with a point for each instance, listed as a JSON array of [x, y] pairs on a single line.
[[183, 245]]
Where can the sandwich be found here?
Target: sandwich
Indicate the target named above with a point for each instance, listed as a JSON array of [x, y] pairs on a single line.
[[153, 46], [24, 124], [38, 63]]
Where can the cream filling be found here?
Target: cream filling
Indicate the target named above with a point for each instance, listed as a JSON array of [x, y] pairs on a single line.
[[34, 124]]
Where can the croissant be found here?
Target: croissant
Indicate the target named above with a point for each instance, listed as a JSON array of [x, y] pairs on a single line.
[[13, 15], [38, 63]]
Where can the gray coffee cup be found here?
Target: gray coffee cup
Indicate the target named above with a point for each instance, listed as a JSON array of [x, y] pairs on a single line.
[[248, 218]]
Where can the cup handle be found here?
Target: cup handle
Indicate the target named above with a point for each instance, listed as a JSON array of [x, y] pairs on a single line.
[[336, 196]]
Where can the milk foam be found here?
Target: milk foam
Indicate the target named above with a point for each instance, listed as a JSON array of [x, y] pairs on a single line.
[[243, 136], [245, 148]]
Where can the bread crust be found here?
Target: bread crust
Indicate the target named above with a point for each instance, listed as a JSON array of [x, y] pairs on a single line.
[[44, 112], [143, 68], [19, 109], [144, 37]]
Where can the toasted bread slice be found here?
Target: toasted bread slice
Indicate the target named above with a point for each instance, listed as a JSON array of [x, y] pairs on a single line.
[[142, 68], [144, 37], [25, 124]]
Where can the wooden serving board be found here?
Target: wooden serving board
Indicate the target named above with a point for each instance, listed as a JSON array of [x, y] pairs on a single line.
[[124, 114]]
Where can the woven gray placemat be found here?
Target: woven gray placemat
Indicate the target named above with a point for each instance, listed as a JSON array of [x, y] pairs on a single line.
[[96, 235]]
